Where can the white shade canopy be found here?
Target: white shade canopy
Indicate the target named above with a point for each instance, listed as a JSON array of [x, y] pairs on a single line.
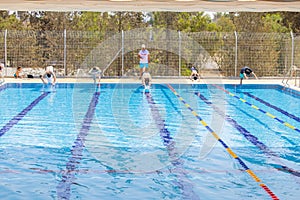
[[152, 5]]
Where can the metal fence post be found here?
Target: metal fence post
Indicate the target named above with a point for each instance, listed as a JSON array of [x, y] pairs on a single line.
[[293, 46], [179, 53], [5, 51], [236, 53], [65, 52], [122, 53]]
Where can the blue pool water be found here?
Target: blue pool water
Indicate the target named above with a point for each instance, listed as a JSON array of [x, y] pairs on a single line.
[[78, 141]]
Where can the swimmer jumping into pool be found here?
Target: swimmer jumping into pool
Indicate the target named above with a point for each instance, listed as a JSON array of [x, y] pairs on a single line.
[[95, 72], [194, 74], [49, 76], [146, 81], [245, 72]]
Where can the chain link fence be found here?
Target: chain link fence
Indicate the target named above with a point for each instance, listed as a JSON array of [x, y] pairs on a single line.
[[173, 53]]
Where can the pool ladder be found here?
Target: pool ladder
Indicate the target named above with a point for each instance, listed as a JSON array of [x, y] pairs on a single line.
[[289, 75]]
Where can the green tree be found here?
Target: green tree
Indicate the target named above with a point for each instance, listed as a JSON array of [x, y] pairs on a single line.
[[224, 24], [258, 45], [291, 20], [9, 21]]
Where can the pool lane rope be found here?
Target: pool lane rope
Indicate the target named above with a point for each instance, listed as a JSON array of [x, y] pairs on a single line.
[[257, 108], [246, 168], [274, 107], [251, 138]]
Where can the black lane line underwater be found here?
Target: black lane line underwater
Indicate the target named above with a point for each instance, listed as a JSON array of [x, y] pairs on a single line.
[[20, 116], [64, 187], [184, 184]]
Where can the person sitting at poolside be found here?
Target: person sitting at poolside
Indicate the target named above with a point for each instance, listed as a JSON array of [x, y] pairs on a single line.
[[49, 75], [194, 74], [146, 81], [19, 73], [95, 71], [245, 72], [1, 73]]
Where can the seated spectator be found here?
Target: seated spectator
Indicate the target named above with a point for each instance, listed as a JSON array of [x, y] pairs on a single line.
[[19, 73], [1, 73]]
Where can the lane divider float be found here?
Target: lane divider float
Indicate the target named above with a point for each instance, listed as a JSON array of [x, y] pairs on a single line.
[[274, 107], [246, 168], [257, 108], [251, 138]]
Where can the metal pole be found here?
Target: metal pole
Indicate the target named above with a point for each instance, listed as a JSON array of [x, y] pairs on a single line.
[[292, 56], [236, 54], [5, 51], [65, 52], [292, 59], [179, 53], [122, 53]]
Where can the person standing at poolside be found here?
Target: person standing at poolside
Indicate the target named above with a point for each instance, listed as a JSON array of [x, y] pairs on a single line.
[[245, 72], [144, 56]]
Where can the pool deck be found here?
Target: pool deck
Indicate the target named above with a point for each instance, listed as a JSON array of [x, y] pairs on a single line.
[[162, 80]]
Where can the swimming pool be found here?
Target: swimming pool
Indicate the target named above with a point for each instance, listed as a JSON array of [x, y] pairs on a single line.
[[178, 142]]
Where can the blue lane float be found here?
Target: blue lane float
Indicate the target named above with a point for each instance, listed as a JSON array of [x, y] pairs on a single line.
[[229, 150], [274, 107], [251, 138], [257, 108]]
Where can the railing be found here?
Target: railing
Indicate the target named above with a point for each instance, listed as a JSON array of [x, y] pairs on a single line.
[[172, 52], [291, 74]]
